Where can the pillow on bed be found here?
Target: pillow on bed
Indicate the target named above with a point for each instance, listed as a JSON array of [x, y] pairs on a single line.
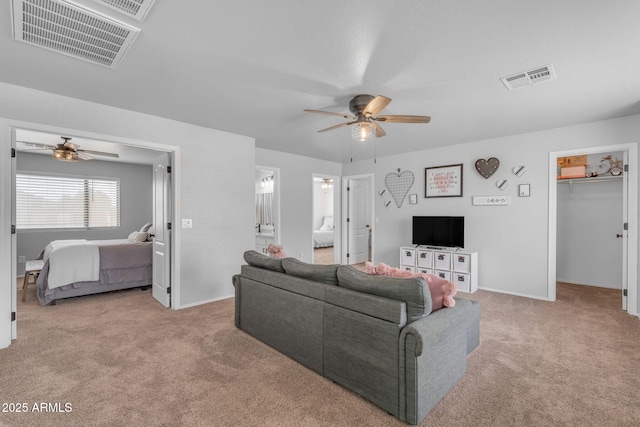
[[327, 223], [145, 228], [138, 236]]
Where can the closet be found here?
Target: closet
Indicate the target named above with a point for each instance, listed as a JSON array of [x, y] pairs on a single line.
[[590, 220]]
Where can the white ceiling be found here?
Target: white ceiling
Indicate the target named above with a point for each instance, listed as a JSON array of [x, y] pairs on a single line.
[[250, 67]]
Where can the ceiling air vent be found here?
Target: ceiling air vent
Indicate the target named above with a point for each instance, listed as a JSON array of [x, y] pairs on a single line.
[[133, 8], [71, 30], [529, 78]]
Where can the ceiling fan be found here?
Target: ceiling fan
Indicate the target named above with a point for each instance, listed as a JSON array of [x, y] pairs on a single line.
[[365, 109], [68, 151]]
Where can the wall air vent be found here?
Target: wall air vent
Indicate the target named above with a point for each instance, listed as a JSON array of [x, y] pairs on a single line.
[[71, 30], [136, 9], [529, 78]]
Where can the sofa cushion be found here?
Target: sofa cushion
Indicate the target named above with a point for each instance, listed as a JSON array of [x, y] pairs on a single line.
[[319, 273], [258, 260], [413, 291]]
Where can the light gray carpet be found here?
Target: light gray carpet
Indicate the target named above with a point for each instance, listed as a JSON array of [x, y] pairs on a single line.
[[121, 359]]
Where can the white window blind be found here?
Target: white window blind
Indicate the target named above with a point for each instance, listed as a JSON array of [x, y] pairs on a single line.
[[65, 202]]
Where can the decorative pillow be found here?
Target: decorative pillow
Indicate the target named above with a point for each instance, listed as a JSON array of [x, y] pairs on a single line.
[[442, 291], [138, 236], [413, 291], [319, 273], [256, 259], [145, 228], [327, 223]]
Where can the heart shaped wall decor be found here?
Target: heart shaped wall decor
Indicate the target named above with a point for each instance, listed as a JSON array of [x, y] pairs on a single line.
[[399, 185], [488, 167]]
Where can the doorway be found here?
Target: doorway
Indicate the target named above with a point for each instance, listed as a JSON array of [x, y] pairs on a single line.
[[325, 220], [267, 194], [171, 278], [358, 214], [626, 206]]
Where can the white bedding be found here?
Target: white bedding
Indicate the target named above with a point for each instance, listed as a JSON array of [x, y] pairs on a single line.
[[322, 239], [72, 261]]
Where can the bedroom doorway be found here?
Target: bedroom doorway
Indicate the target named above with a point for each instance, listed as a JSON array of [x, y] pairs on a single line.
[[124, 146], [622, 192], [325, 228]]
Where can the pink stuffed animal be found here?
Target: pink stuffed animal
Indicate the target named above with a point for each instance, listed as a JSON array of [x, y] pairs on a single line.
[[440, 288], [275, 251]]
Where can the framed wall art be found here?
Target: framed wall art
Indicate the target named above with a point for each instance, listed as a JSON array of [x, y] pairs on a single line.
[[443, 181]]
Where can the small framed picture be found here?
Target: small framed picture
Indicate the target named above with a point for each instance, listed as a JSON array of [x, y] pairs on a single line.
[[413, 199], [443, 181]]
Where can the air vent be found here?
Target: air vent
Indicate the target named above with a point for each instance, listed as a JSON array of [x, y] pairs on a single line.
[[529, 78], [136, 9], [71, 30]]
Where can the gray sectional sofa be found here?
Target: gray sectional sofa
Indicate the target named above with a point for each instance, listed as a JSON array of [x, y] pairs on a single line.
[[373, 335]]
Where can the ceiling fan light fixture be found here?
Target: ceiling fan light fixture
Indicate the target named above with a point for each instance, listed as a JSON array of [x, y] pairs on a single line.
[[65, 155], [363, 130]]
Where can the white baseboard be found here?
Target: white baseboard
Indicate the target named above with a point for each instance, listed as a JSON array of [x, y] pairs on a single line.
[[195, 304], [517, 294]]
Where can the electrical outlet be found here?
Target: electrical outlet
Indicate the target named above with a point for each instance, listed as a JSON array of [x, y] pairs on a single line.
[[22, 259]]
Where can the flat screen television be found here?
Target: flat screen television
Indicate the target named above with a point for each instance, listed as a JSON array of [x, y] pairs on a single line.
[[439, 231]]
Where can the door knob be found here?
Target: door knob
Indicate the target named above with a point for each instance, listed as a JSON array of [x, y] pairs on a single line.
[[618, 236]]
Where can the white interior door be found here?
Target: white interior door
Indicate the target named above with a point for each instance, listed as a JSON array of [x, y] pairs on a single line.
[[161, 223], [359, 220]]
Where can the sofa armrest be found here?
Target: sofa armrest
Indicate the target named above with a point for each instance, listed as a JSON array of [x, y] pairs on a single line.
[[433, 354]]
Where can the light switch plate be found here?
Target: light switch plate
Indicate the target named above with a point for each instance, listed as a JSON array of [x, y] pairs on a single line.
[[524, 190], [187, 223]]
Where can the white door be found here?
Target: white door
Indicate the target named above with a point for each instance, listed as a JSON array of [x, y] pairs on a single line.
[[161, 224], [358, 220]]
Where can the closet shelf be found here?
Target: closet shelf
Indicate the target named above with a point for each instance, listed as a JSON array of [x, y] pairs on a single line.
[[586, 180]]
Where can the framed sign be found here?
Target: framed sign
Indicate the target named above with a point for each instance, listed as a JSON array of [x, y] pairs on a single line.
[[443, 181]]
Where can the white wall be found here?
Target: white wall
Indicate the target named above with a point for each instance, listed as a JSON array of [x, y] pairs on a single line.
[[214, 176], [589, 217], [511, 240], [296, 197]]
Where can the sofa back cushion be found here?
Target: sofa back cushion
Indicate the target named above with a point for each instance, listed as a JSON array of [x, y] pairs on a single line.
[[319, 273], [256, 259], [413, 291]]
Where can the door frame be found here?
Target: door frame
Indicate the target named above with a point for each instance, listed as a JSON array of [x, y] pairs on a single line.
[[7, 240], [631, 215], [345, 214], [337, 232]]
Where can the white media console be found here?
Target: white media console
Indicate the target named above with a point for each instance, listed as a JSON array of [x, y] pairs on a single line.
[[458, 266]]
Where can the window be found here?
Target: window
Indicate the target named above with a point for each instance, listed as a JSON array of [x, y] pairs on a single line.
[[54, 202]]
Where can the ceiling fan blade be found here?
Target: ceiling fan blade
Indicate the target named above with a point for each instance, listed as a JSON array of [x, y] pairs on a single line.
[[379, 131], [330, 113], [83, 155], [376, 105], [37, 145], [403, 119], [99, 153], [336, 127]]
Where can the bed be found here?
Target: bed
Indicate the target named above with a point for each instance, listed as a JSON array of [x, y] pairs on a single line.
[[323, 238], [84, 267]]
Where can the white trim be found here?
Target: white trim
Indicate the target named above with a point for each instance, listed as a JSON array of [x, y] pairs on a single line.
[[632, 211], [502, 291], [195, 304]]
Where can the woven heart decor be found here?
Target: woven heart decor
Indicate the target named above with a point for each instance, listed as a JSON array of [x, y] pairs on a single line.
[[486, 168], [399, 185]]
